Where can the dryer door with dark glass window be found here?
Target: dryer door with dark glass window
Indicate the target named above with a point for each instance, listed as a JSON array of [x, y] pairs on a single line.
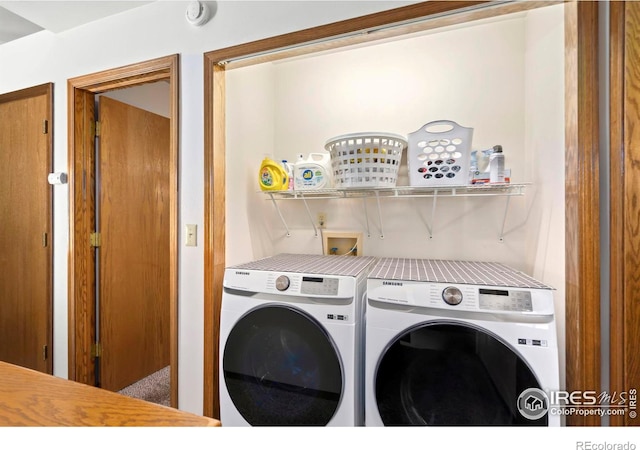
[[282, 368], [451, 374]]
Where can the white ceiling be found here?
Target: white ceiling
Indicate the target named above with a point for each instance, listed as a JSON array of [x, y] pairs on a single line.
[[24, 17]]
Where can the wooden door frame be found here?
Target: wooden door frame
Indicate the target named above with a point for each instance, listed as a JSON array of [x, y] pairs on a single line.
[[624, 238], [582, 203], [616, 118], [581, 136], [45, 89], [81, 98]]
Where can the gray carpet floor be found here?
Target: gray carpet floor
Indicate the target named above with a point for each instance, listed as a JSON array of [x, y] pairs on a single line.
[[155, 388]]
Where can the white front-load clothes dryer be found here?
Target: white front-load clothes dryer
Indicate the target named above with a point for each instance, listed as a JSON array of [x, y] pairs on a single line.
[[458, 343], [291, 341]]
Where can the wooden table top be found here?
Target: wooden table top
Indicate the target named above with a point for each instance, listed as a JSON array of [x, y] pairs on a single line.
[[31, 398]]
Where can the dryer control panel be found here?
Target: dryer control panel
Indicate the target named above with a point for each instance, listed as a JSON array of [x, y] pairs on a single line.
[[319, 286], [307, 285], [290, 283]]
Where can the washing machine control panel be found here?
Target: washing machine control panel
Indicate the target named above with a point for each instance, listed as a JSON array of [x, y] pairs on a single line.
[[504, 300], [462, 297]]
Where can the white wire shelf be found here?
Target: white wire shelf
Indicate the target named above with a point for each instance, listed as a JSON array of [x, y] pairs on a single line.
[[500, 189], [507, 190]]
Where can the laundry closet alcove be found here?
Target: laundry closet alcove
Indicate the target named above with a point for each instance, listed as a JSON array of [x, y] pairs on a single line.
[[501, 69]]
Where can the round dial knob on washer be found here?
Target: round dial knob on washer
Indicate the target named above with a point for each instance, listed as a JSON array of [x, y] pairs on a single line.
[[282, 283], [452, 296]]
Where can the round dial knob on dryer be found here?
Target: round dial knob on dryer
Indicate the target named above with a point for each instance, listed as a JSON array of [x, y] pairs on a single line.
[[282, 283], [452, 296]]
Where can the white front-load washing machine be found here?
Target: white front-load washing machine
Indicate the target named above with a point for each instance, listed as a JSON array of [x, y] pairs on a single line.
[[458, 343], [291, 341]]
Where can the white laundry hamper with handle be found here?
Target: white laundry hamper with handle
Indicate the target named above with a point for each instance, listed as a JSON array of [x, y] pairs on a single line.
[[439, 154]]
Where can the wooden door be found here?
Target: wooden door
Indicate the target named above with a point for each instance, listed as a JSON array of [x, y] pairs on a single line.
[[133, 220], [25, 229]]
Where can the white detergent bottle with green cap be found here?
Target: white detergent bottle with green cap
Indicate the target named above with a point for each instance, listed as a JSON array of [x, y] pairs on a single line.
[[313, 172]]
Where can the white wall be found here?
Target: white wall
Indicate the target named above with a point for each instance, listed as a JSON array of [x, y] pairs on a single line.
[[503, 77], [544, 137], [398, 87], [250, 137], [151, 31], [152, 97]]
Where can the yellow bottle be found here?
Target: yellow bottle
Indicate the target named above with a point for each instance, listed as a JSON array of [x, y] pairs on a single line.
[[272, 176]]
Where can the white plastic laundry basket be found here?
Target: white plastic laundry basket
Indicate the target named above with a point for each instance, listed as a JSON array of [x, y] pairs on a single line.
[[366, 159]]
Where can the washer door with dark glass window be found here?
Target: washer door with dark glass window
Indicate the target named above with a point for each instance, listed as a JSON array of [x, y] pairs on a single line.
[[451, 374], [282, 368]]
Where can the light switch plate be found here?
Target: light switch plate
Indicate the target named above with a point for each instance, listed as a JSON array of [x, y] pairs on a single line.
[[191, 231]]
